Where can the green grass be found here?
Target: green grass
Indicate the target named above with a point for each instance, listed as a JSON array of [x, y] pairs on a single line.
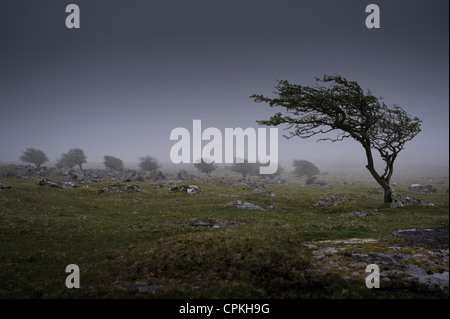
[[129, 237]]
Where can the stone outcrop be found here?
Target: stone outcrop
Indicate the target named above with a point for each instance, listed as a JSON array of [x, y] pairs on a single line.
[[243, 205], [404, 200], [190, 189], [119, 188], [335, 199], [62, 185], [4, 186]]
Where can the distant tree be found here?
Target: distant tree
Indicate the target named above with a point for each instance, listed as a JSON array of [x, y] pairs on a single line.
[[206, 168], [34, 156], [148, 163], [304, 168], [112, 162], [334, 104], [74, 156], [246, 168]]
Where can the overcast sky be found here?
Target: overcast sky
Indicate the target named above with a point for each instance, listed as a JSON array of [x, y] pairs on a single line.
[[137, 69]]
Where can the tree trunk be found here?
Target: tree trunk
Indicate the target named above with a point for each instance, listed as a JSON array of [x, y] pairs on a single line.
[[387, 195], [81, 166], [384, 182]]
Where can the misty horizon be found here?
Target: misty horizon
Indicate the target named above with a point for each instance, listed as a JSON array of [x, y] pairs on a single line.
[[119, 89]]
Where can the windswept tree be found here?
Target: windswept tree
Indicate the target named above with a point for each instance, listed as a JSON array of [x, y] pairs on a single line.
[[34, 156], [205, 167], [112, 162], [148, 163], [333, 104], [304, 168], [73, 157], [246, 168]]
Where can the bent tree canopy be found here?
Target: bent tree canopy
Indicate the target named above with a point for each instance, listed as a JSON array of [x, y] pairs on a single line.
[[334, 104]]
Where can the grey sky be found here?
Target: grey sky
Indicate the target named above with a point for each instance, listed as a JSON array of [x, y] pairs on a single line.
[[135, 70]]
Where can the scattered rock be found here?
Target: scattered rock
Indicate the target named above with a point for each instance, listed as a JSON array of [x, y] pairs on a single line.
[[57, 184], [190, 189], [321, 182], [243, 205], [119, 188], [156, 175], [132, 188], [435, 238], [85, 176], [276, 207], [238, 183], [334, 199], [418, 189], [363, 214], [257, 187], [419, 270], [4, 186], [404, 200], [253, 185], [133, 176]]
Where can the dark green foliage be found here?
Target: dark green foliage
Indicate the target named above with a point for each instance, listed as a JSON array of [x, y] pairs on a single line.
[[34, 156], [112, 162], [74, 156], [205, 167], [334, 104], [148, 163], [305, 168]]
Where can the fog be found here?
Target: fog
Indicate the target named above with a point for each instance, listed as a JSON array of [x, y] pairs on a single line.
[[136, 70]]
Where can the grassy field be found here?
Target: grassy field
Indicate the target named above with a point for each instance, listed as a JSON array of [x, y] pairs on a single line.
[[123, 239]]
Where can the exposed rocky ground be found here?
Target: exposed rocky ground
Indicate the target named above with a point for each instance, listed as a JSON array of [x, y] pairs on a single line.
[[335, 199], [420, 266], [4, 186], [434, 238], [404, 200], [420, 263], [243, 205], [190, 189]]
